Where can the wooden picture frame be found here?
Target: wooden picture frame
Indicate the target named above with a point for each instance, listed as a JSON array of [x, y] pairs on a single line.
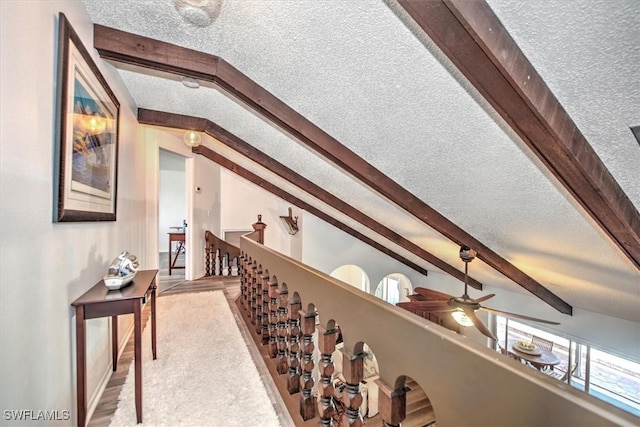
[[86, 157]]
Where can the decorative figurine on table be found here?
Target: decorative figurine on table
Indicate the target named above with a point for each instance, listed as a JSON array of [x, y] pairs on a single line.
[[121, 271]]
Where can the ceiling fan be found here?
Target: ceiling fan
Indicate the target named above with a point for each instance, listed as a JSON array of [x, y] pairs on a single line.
[[463, 309]]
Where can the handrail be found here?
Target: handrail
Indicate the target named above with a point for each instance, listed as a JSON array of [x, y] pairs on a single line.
[[466, 383]]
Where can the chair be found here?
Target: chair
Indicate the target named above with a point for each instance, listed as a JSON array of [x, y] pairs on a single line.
[[542, 343], [562, 377]]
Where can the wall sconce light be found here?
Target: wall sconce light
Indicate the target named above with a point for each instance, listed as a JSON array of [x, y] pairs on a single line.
[[192, 138], [290, 222]]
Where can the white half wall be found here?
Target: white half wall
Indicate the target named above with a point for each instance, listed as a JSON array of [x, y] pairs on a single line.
[[617, 336]]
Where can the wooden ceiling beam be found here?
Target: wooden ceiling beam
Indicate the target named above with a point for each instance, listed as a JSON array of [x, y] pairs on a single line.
[[164, 57], [177, 121], [477, 43]]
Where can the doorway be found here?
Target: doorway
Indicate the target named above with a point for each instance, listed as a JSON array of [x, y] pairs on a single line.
[[172, 218]]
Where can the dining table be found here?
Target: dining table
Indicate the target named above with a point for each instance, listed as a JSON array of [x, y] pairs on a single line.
[[545, 358]]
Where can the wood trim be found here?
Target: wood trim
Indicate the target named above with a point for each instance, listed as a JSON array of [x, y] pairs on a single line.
[[163, 57], [477, 43], [278, 192], [159, 118]]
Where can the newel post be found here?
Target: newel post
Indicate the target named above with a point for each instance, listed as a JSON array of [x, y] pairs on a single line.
[[392, 404], [259, 227]]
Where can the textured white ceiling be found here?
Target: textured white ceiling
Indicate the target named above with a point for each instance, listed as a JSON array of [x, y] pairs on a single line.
[[354, 69]]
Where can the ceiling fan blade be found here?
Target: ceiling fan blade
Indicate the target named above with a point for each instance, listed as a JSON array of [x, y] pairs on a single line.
[[417, 297], [518, 316], [471, 314], [430, 293], [431, 306], [484, 298]]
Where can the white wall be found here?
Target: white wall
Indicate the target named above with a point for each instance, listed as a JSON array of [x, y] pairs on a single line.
[[320, 239], [241, 203], [202, 207], [172, 198], [613, 335], [206, 207], [44, 266]]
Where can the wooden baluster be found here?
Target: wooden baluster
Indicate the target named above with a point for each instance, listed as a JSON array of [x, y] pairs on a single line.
[[353, 372], [234, 267], [326, 345], [216, 263], [247, 294], [293, 382], [273, 320], [266, 309], [225, 264], [243, 281], [207, 260], [254, 285], [307, 399], [392, 404], [259, 281], [282, 366]]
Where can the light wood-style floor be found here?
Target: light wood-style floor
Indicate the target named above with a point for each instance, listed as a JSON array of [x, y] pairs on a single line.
[[419, 411]]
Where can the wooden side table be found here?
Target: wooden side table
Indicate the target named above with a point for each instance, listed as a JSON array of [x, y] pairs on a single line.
[[181, 239], [100, 302]]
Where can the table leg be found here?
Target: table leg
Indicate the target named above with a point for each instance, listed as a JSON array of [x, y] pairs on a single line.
[[81, 366], [137, 320], [114, 341], [153, 320], [170, 251]]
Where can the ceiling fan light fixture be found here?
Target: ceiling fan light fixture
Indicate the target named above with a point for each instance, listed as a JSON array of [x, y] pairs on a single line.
[[192, 138], [467, 254], [460, 317]]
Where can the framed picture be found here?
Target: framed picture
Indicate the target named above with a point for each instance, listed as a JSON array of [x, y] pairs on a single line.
[[87, 135]]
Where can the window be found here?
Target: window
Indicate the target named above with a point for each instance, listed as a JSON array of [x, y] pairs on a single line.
[[601, 374], [388, 290]]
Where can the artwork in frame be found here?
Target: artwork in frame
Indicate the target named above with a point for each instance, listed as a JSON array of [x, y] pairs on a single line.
[[87, 135]]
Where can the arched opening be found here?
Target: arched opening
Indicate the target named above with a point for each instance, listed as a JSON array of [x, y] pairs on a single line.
[[368, 388], [419, 410], [353, 275], [394, 288]]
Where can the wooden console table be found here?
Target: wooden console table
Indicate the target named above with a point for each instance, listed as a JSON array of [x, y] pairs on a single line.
[[181, 239], [100, 302]]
